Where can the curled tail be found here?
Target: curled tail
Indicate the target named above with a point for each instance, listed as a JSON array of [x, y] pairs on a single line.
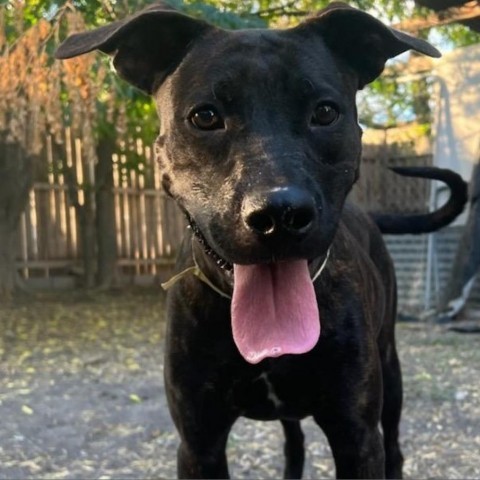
[[428, 222]]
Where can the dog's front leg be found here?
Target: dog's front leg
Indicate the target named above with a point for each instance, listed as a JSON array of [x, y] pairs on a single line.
[[203, 421], [357, 449], [198, 377], [351, 423], [195, 460]]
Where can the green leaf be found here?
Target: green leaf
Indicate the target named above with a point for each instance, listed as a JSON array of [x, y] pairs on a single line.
[[27, 410], [135, 398]]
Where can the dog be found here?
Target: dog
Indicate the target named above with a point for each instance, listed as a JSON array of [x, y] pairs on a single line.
[[259, 145]]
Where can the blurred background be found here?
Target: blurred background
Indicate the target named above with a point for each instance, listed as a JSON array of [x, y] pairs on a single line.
[[87, 235]]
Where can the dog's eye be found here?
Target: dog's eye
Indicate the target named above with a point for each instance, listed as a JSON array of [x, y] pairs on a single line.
[[206, 119], [324, 114]]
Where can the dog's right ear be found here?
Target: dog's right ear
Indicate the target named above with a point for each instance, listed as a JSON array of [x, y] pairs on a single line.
[[146, 46]]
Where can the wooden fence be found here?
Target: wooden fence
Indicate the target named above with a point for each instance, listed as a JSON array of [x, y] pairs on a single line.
[[379, 189], [148, 224]]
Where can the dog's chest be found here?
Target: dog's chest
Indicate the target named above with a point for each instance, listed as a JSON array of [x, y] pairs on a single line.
[[268, 397], [272, 396]]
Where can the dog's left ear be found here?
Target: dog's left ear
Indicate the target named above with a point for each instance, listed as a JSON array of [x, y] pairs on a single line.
[[146, 46], [362, 40]]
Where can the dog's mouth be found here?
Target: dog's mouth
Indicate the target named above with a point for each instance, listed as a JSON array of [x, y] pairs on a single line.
[[274, 309]]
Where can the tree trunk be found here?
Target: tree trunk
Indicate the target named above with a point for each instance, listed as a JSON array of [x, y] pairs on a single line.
[[86, 215], [16, 168], [8, 252], [105, 218], [86, 223], [467, 259]]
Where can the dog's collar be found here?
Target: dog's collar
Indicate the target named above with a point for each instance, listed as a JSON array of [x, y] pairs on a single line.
[[322, 266], [197, 271]]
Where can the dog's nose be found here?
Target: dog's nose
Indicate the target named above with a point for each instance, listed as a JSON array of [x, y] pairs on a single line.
[[289, 210]]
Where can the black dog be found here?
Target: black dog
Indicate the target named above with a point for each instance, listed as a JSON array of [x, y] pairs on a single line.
[[259, 146]]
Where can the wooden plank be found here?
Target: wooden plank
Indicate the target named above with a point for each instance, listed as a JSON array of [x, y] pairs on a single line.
[[33, 224], [72, 238], [142, 219], [147, 261], [169, 228], [28, 228], [125, 221], [44, 230], [158, 213], [135, 224], [63, 217], [72, 214], [117, 205], [79, 170], [49, 222], [150, 167], [23, 243], [149, 235], [45, 264], [148, 201], [68, 147]]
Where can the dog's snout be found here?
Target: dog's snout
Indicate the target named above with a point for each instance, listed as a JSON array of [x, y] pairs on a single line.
[[282, 210]]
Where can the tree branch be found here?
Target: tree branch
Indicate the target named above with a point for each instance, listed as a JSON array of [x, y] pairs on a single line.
[[467, 11], [281, 10]]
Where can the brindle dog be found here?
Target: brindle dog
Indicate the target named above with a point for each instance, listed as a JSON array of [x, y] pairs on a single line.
[[259, 145]]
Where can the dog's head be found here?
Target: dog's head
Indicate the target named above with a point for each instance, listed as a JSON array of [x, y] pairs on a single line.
[[259, 141]]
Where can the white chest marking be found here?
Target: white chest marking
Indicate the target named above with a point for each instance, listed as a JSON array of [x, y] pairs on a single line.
[[271, 395]]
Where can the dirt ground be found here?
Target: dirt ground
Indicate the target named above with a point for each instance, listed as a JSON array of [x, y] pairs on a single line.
[[81, 396]]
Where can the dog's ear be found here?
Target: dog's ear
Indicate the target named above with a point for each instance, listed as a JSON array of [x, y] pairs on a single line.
[[362, 40], [146, 46]]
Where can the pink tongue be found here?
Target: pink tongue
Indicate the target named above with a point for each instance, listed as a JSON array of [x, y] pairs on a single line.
[[274, 310]]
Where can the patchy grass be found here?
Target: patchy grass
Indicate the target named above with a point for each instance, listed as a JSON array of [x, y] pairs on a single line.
[[81, 396]]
